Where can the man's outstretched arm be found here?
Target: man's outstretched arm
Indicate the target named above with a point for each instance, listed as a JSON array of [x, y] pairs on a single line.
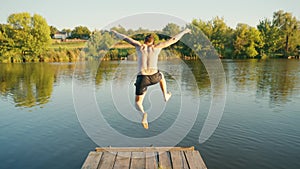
[[127, 38], [173, 40]]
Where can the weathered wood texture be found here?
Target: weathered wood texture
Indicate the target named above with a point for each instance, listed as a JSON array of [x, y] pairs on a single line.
[[144, 158]]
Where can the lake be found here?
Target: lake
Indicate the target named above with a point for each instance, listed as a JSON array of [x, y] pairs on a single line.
[[53, 114]]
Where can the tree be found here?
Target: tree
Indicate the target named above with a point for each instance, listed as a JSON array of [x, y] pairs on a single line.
[[106, 41], [247, 41], [197, 43], [119, 29], [19, 26], [40, 32], [53, 30], [99, 41], [81, 32], [29, 34], [171, 29], [271, 37], [288, 25], [66, 30], [222, 37], [92, 44], [205, 27], [6, 43]]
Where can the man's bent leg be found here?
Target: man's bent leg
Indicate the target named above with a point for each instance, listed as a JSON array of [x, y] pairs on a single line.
[[163, 86], [139, 106], [139, 102]]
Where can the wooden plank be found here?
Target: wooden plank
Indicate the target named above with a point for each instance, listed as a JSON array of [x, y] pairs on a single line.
[[198, 159], [107, 161], [138, 160], [151, 160], [184, 161], [144, 157], [192, 162], [164, 160], [92, 160], [122, 160], [177, 161], [143, 149]]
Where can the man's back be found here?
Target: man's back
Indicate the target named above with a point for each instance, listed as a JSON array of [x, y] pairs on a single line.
[[147, 57]]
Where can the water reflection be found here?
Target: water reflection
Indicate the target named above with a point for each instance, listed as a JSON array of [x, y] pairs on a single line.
[[31, 84], [276, 80]]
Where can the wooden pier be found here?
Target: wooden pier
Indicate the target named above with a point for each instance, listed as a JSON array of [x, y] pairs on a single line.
[[144, 158]]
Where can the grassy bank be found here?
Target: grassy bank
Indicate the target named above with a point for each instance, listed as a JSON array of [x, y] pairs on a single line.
[[68, 44], [59, 51]]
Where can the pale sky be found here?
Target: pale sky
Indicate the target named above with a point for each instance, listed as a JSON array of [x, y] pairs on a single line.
[[96, 14]]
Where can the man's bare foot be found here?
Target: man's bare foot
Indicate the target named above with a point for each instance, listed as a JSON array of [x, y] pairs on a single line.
[[168, 96], [144, 121]]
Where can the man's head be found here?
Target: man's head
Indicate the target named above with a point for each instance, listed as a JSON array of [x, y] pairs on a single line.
[[149, 39]]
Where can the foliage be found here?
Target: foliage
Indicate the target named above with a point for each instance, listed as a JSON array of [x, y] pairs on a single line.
[[24, 37], [99, 42], [271, 37], [289, 27], [279, 37], [120, 29], [222, 37], [171, 29], [53, 30], [80, 32], [247, 41], [66, 30]]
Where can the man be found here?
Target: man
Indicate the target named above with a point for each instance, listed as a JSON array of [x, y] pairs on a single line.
[[147, 57]]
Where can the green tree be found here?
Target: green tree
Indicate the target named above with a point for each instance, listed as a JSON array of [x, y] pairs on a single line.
[[271, 37], [7, 44], [81, 32], [40, 32], [222, 37], [92, 44], [171, 29], [119, 29], [29, 34], [288, 25], [197, 42], [19, 26], [295, 46], [247, 41], [99, 41], [66, 30], [205, 27], [53, 30], [106, 41]]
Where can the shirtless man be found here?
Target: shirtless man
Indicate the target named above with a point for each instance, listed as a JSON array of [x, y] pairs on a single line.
[[147, 57]]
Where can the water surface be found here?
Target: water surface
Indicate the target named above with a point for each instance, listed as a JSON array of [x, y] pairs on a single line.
[[259, 127]]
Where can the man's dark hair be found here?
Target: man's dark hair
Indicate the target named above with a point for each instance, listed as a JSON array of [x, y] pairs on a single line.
[[149, 38]]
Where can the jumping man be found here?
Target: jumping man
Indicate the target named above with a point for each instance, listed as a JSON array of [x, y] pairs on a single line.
[[147, 57]]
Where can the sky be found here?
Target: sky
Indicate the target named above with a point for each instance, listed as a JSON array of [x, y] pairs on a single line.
[[97, 14]]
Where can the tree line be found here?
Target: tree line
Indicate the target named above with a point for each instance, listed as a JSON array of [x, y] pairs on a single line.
[[278, 37], [79, 32], [27, 38]]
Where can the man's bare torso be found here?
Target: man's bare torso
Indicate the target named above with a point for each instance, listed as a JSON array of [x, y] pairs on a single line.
[[147, 59]]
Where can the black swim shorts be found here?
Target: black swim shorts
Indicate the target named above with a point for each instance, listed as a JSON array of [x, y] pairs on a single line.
[[142, 81]]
